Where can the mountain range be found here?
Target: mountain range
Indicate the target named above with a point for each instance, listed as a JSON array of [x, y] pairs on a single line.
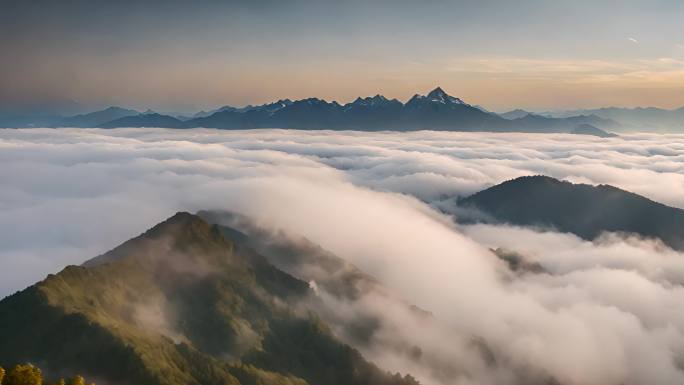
[[633, 119], [435, 111]]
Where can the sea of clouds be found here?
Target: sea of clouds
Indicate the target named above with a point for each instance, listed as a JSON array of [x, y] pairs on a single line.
[[606, 312]]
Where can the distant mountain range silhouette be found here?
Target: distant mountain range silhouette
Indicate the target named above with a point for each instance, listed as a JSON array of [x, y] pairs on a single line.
[[435, 111]]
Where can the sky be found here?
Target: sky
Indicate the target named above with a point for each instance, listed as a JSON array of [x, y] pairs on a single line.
[[186, 56]]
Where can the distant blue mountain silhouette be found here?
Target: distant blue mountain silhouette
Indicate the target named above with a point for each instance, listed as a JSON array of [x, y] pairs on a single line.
[[96, 118], [435, 111]]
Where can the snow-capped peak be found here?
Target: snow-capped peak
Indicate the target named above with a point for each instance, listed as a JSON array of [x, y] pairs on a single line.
[[438, 95]]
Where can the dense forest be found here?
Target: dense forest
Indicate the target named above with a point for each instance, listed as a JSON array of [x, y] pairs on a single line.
[[182, 304]]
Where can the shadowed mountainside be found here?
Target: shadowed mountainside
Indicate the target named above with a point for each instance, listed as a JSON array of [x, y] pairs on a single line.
[[581, 209]]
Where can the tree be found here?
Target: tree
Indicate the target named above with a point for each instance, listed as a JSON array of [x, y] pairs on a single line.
[[30, 375], [24, 375]]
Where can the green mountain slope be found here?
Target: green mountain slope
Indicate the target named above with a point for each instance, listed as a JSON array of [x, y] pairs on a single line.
[[180, 304]]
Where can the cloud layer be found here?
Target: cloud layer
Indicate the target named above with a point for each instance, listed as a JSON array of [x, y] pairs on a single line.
[[605, 313]]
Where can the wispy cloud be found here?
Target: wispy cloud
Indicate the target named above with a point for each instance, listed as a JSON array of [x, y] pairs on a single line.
[[633, 40], [649, 73]]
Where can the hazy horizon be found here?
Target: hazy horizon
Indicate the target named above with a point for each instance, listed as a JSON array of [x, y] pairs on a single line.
[[74, 107]]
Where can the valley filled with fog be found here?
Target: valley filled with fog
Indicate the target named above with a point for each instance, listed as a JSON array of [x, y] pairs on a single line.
[[599, 311]]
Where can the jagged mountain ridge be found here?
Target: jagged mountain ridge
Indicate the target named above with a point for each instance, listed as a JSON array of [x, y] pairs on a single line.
[[180, 304], [435, 111]]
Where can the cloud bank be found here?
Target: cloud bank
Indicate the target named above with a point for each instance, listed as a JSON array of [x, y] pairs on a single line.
[[605, 312]]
